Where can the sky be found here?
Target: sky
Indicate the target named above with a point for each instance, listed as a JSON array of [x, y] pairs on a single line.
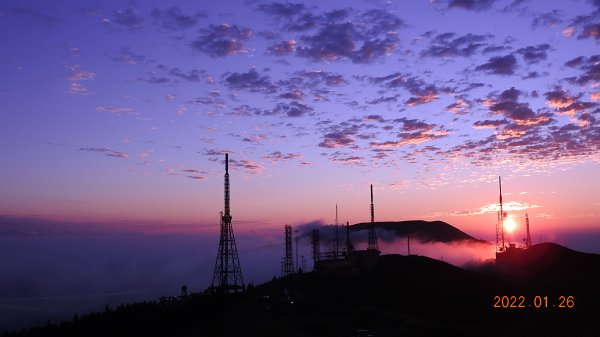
[[120, 113], [115, 117]]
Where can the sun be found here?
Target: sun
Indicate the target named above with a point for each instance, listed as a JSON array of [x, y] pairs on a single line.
[[510, 225]]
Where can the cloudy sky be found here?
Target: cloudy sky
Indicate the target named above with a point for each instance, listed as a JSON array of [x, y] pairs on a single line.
[[115, 117], [118, 114]]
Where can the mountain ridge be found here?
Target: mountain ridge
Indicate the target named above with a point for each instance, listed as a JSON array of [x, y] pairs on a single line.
[[424, 231]]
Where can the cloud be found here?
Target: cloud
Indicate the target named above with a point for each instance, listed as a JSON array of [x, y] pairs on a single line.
[[588, 25], [590, 31], [414, 131], [461, 106], [192, 75], [559, 98], [114, 110], [509, 206], [279, 156], [291, 109], [222, 40], [336, 139], [507, 104], [489, 124], [421, 92], [174, 19], [128, 18], [215, 152], [534, 74], [214, 101], [318, 78], [249, 166], [196, 177], [126, 56], [414, 124], [76, 73], [294, 94], [499, 65], [194, 171], [550, 19], [568, 32], [534, 54], [256, 139], [250, 81], [337, 41], [374, 118], [37, 17], [244, 110], [76, 88], [411, 138], [590, 68], [294, 16], [473, 5], [106, 151], [445, 45], [298, 18], [283, 48], [153, 78], [565, 103], [332, 36], [348, 159]]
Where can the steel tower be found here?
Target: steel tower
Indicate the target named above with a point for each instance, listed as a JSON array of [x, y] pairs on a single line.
[[227, 276], [500, 243], [287, 267], [528, 242], [373, 245]]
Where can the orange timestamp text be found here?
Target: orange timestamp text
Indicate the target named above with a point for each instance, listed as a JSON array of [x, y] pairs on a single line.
[[521, 302]]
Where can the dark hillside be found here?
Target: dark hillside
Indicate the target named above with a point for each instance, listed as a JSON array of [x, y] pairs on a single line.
[[425, 231]]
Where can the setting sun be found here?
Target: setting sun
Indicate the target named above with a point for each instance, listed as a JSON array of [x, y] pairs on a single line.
[[510, 225]]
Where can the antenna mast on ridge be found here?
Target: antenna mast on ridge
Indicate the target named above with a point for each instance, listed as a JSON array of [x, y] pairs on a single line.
[[373, 245], [500, 244], [227, 276], [528, 242]]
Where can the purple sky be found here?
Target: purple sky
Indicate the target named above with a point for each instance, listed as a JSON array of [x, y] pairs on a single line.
[[121, 112], [114, 116]]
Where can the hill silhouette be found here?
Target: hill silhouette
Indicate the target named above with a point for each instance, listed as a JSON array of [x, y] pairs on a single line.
[[424, 231], [403, 296]]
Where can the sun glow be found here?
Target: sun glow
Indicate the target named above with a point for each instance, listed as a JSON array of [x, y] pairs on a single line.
[[510, 225]]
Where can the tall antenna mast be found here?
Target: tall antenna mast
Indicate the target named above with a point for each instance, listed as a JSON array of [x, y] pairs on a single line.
[[316, 246], [500, 243], [528, 242], [297, 237], [337, 234], [287, 267], [227, 276], [348, 243], [373, 245]]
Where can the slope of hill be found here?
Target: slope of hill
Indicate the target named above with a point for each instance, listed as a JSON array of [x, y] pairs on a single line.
[[403, 296], [425, 231]]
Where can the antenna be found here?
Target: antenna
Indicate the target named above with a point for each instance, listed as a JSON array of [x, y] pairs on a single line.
[[287, 267], [528, 239], [500, 242], [373, 245], [316, 246], [227, 276], [337, 235], [297, 237], [349, 247]]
